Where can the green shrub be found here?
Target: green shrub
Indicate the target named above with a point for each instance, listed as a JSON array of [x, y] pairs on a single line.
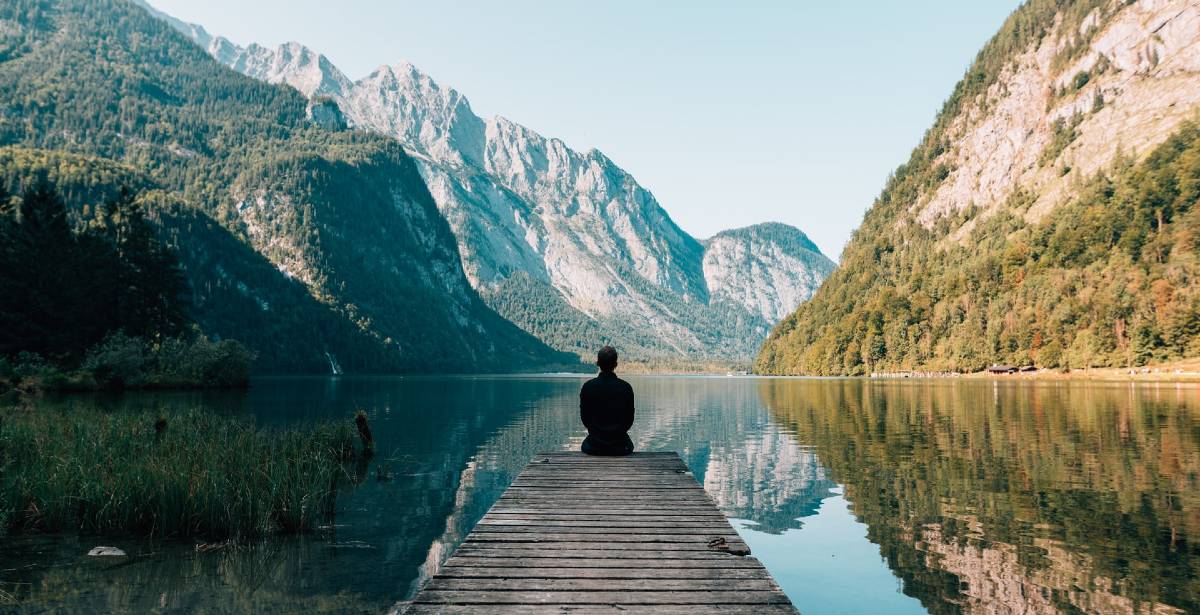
[[1081, 79], [125, 362], [119, 361], [202, 362]]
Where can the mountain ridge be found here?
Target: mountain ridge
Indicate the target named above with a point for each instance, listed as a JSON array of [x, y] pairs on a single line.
[[574, 222], [256, 196], [1043, 219]]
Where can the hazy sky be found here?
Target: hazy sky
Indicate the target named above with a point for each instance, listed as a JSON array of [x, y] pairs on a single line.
[[731, 113]]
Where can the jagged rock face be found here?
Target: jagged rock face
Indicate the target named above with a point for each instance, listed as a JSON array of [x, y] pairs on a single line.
[[403, 102], [770, 268], [1141, 63], [572, 221], [325, 113], [314, 247], [1068, 96], [291, 63]]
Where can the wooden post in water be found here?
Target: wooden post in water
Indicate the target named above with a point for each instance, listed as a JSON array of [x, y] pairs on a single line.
[[364, 432], [583, 534]]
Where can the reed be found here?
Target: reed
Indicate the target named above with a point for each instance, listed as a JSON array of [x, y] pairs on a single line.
[[187, 474]]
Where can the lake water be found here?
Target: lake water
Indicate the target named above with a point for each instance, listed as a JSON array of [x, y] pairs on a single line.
[[939, 496]]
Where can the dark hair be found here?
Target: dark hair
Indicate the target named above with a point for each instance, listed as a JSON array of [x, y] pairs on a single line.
[[606, 359]]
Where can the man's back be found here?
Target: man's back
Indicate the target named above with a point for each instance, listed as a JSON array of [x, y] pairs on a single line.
[[606, 408]]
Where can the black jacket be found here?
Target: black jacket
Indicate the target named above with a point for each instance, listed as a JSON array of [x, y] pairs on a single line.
[[606, 408]]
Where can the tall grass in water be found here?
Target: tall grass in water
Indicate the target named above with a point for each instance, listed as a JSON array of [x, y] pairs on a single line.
[[196, 474]]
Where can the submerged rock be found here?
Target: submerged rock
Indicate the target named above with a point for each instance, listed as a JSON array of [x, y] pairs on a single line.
[[106, 552]]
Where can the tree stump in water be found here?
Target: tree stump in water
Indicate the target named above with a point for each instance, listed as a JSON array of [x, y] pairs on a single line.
[[364, 432]]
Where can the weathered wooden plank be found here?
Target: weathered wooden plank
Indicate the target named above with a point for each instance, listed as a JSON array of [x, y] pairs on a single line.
[[504, 517], [601, 572], [633, 459], [602, 523], [596, 545], [576, 509], [605, 495], [544, 536], [577, 497], [603, 609], [626, 482], [599, 597], [606, 474], [617, 465], [607, 477], [637, 551], [608, 496], [577, 534], [591, 493], [615, 503], [617, 510], [589, 485], [731, 561], [665, 493], [582, 482], [607, 529], [640, 584], [637, 455]]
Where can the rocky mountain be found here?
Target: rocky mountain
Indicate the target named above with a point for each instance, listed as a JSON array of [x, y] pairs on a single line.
[[768, 268], [318, 247], [1047, 217], [563, 243]]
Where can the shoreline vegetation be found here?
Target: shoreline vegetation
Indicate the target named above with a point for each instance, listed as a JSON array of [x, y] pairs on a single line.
[[122, 362], [1184, 370], [1187, 370], [179, 475]]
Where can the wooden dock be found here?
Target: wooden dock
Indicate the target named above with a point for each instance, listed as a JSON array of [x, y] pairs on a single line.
[[578, 534]]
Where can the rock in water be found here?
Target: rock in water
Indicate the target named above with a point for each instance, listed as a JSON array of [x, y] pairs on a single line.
[[106, 552]]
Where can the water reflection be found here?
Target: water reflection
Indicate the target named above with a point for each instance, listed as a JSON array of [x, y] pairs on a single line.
[[968, 496], [1016, 498]]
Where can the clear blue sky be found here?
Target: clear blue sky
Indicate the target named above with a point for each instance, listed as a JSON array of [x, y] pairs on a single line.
[[731, 113]]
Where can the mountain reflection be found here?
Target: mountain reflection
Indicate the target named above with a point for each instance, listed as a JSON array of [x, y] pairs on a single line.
[[981, 497], [1013, 497], [751, 468]]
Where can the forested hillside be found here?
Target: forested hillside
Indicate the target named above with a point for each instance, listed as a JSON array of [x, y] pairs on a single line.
[[313, 245], [1048, 217]]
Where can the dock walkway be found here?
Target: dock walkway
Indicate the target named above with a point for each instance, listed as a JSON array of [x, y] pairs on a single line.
[[578, 534]]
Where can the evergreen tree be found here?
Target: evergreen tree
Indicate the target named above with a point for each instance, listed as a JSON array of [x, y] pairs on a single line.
[[63, 292], [153, 292], [36, 301]]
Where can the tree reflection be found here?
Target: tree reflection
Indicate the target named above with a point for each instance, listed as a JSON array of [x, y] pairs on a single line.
[[1015, 497]]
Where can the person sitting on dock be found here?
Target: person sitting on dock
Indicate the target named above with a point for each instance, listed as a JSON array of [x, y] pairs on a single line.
[[606, 407]]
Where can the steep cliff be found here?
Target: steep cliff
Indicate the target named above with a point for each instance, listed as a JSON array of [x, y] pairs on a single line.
[[1047, 217], [769, 268], [313, 244], [565, 244]]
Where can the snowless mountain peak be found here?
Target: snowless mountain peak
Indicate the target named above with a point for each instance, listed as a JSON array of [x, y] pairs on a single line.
[[564, 243], [404, 67]]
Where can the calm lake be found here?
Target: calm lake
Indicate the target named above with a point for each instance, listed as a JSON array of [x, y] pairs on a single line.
[[859, 496]]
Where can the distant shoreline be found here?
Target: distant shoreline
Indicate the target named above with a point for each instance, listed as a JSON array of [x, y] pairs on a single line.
[[1187, 370]]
